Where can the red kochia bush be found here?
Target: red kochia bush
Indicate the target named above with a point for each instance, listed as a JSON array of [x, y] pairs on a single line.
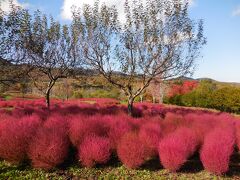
[[119, 127], [176, 148], [94, 150], [131, 150], [50, 146], [82, 126], [15, 136], [201, 124], [150, 134], [216, 151], [59, 122], [171, 122]]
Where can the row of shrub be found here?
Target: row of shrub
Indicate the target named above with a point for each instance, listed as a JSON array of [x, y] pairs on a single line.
[[93, 134], [208, 95]]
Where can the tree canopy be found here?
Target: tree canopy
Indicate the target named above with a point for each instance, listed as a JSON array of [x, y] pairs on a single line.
[[158, 40]]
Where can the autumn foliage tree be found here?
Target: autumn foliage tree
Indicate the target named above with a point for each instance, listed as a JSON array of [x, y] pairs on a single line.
[[158, 39], [182, 87]]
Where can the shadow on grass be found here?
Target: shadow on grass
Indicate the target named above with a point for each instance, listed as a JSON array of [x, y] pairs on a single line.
[[193, 165], [113, 163], [152, 165], [7, 167], [234, 168], [71, 160]]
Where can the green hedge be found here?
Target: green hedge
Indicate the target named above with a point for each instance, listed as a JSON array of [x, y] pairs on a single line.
[[99, 93], [208, 95]]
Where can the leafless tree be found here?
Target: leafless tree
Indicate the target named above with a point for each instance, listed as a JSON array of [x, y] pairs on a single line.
[[12, 52], [50, 49], [157, 40]]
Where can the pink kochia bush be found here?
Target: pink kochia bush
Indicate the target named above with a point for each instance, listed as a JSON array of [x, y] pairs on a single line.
[[119, 127], [176, 148], [131, 151], [217, 149], [47, 138], [94, 150], [150, 134], [201, 124], [50, 146], [171, 122], [83, 126], [15, 136]]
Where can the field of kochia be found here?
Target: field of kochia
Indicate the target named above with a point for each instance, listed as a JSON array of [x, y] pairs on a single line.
[[93, 134]]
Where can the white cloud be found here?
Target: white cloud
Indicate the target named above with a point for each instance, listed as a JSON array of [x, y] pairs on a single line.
[[67, 5], [4, 4], [236, 12]]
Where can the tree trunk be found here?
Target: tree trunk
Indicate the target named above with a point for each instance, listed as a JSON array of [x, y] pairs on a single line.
[[130, 106], [154, 99], [48, 92], [48, 98]]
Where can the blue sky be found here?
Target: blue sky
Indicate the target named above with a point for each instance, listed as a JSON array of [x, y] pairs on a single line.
[[221, 55]]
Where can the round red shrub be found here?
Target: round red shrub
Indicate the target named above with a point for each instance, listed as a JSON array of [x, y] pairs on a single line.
[[15, 136], [201, 124], [59, 122], [119, 127], [171, 122], [50, 146], [217, 149], [176, 148], [131, 151], [150, 134], [82, 126], [94, 150]]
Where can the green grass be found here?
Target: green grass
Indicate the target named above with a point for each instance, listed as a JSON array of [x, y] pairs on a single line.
[[14, 172], [115, 170], [7, 97]]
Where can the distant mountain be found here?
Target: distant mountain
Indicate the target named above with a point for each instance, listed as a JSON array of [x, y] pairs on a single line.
[[184, 78], [205, 79], [89, 72]]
